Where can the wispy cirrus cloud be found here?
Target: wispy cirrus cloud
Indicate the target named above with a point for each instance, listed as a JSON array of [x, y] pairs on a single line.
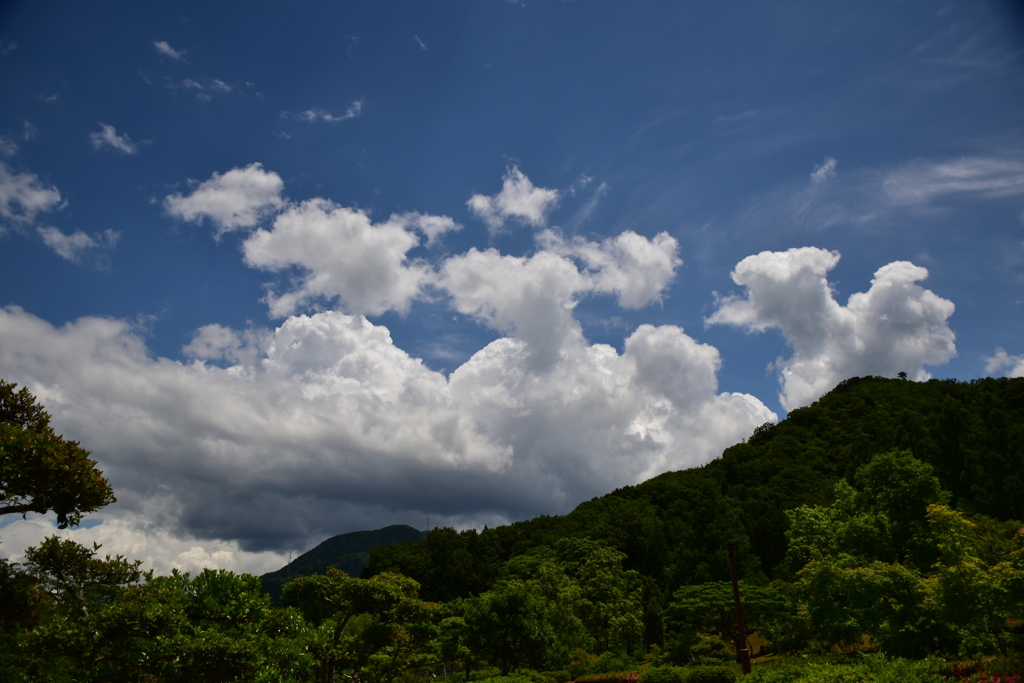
[[824, 171], [204, 89], [869, 197], [924, 181]]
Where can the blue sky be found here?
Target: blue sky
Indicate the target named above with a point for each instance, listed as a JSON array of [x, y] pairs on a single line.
[[295, 270]]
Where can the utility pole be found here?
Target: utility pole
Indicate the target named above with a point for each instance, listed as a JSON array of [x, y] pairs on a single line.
[[742, 652]]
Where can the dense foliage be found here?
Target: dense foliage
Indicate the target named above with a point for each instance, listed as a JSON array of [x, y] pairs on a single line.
[[871, 547], [40, 471]]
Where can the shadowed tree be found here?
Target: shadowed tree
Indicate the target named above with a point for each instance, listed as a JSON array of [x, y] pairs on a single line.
[[41, 471]]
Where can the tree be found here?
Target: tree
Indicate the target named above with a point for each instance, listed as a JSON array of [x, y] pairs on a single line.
[[74, 577], [863, 557], [97, 622], [612, 607], [41, 471], [901, 487], [978, 584], [230, 631], [507, 625], [881, 519], [368, 630], [708, 609]]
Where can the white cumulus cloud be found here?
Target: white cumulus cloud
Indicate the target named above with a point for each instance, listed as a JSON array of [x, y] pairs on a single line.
[[344, 255], [431, 226], [107, 137], [631, 266], [896, 326], [238, 199], [216, 342], [1001, 360], [518, 199], [530, 297]]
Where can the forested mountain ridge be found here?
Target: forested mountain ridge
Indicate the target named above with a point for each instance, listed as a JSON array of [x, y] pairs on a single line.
[[348, 552], [671, 527]]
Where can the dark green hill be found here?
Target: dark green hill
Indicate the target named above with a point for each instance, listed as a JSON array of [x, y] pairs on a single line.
[[671, 527], [348, 552]]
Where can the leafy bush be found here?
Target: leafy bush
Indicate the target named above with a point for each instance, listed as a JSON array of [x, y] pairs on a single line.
[[664, 674], [610, 662], [709, 674], [612, 677], [493, 675], [711, 650], [557, 676], [689, 674], [865, 668], [525, 676], [988, 670]]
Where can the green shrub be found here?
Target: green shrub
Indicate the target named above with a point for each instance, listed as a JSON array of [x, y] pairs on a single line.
[[699, 673], [611, 677], [557, 676], [709, 674], [865, 668], [664, 674], [609, 662], [711, 650], [513, 678]]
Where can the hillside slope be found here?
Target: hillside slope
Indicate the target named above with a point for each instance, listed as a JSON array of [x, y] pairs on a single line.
[[672, 526], [348, 552]]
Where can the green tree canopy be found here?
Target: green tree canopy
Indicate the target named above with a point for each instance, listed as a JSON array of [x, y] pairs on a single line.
[[977, 588], [365, 629], [40, 471], [863, 560]]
